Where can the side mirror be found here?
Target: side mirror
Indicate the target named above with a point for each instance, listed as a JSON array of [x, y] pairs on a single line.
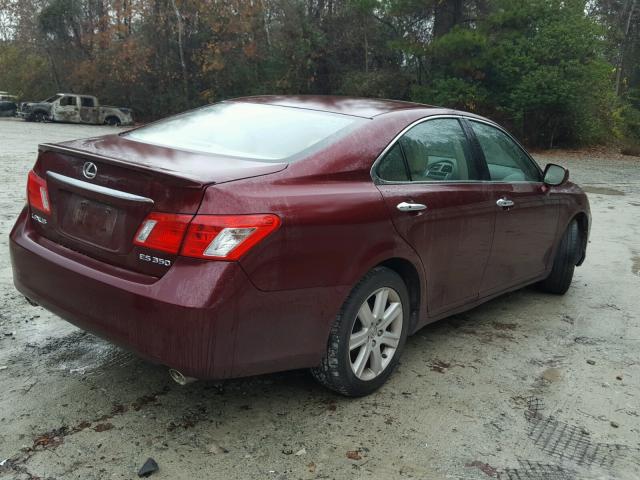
[[555, 175]]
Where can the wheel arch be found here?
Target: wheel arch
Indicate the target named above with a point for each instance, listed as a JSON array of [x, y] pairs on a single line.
[[40, 110], [582, 219], [411, 278], [114, 116], [583, 228]]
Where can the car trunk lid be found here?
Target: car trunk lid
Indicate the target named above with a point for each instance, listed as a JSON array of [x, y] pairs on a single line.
[[101, 190]]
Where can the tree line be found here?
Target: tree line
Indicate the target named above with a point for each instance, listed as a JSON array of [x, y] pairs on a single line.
[[556, 72]]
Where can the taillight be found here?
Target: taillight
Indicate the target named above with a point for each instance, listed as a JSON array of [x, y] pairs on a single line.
[[226, 237], [213, 237], [37, 193], [162, 231]]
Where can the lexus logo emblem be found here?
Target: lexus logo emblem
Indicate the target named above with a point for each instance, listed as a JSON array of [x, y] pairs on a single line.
[[89, 170]]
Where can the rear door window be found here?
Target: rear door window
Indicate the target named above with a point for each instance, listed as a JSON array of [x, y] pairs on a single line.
[[88, 102], [432, 151], [438, 150]]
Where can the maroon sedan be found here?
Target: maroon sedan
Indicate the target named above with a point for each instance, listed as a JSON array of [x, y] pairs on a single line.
[[272, 233]]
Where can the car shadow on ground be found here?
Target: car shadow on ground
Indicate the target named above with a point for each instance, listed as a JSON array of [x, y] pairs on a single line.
[[95, 361]]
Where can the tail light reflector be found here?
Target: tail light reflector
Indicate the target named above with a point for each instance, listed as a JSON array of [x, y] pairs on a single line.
[[226, 237], [162, 231], [37, 193]]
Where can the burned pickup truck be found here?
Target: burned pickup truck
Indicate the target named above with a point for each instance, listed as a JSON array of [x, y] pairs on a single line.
[[72, 108]]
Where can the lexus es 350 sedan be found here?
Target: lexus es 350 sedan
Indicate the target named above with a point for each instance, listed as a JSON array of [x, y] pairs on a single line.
[[273, 233]]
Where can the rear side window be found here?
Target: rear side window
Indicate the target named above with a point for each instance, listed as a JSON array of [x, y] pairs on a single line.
[[392, 166], [247, 130], [437, 150], [87, 102], [507, 162]]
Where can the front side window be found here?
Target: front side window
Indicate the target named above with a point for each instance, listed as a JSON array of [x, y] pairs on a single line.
[[507, 162], [260, 132], [68, 102]]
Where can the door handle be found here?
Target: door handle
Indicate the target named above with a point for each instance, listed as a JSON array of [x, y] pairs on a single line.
[[410, 207], [505, 203]]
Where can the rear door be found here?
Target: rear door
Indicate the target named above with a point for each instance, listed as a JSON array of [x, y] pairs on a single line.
[[88, 110], [439, 204], [527, 216]]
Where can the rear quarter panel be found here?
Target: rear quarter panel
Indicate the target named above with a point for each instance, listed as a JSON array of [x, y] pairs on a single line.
[[332, 233]]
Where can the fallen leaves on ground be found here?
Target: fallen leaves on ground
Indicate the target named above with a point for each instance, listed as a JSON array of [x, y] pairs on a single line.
[[354, 455]]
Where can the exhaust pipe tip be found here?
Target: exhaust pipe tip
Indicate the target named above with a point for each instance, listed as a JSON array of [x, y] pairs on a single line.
[[180, 378]]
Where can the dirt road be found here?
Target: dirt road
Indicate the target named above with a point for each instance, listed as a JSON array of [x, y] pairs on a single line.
[[528, 386]]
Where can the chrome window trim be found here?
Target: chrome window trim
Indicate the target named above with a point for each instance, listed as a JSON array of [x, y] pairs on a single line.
[[99, 188], [380, 181]]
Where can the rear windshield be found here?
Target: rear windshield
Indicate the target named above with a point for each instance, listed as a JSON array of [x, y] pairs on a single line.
[[259, 132]]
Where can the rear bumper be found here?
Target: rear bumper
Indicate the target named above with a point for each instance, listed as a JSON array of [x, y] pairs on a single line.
[[205, 319]]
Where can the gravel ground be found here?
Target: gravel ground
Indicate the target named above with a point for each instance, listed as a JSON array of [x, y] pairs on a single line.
[[528, 386]]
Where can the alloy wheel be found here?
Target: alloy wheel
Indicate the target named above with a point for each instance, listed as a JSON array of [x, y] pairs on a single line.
[[375, 334]]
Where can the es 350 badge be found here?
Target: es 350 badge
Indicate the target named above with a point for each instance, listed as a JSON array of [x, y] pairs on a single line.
[[151, 259]]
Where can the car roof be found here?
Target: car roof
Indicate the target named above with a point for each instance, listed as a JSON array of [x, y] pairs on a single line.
[[355, 106]]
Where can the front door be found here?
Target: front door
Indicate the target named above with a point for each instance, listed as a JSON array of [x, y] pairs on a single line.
[[527, 215], [431, 186], [66, 109]]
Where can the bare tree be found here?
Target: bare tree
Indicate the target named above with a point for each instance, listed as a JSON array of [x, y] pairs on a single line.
[[183, 65], [625, 41]]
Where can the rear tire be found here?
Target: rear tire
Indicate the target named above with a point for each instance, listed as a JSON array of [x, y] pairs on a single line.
[[368, 335], [564, 264]]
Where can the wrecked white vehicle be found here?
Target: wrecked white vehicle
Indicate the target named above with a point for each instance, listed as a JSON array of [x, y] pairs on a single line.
[[72, 108]]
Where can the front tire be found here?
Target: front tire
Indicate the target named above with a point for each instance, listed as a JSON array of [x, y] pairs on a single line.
[[39, 117], [368, 335], [564, 264]]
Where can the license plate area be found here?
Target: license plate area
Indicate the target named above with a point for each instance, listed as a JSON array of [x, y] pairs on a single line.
[[90, 221]]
